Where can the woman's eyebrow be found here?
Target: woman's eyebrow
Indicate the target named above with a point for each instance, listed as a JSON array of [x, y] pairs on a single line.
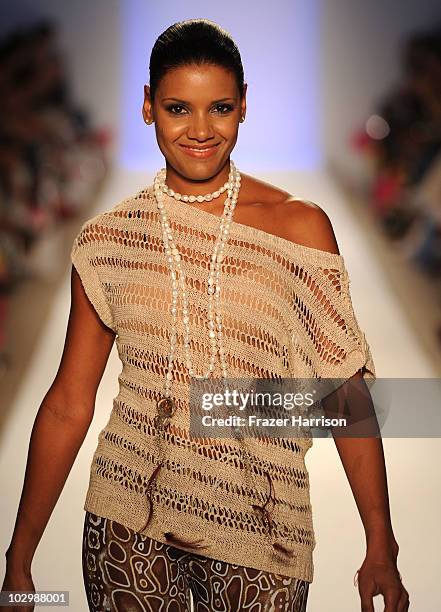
[[189, 103]]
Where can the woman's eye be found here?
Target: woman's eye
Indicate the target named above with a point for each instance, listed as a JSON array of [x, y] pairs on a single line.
[[170, 109], [226, 108]]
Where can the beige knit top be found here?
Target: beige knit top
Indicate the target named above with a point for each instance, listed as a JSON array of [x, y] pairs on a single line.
[[286, 311]]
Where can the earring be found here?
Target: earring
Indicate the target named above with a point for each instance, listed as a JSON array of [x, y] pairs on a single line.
[[242, 119], [148, 122]]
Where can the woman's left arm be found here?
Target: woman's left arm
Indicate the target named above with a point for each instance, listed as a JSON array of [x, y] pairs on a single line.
[[362, 457], [364, 465]]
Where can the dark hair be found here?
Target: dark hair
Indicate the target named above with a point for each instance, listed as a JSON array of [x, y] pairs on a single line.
[[194, 41]]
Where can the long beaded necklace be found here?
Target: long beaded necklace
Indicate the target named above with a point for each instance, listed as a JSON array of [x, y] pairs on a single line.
[[166, 404]]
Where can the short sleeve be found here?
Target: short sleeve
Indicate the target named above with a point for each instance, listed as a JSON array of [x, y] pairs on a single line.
[[327, 335], [343, 347], [84, 257]]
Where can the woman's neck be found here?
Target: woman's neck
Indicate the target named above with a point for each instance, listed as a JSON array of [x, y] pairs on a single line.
[[185, 186]]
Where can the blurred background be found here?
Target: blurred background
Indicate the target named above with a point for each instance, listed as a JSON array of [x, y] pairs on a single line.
[[343, 108]]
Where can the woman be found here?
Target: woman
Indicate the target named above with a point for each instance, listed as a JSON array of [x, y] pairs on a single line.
[[191, 294]]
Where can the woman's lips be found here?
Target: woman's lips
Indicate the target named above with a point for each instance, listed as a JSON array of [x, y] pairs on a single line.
[[201, 154]]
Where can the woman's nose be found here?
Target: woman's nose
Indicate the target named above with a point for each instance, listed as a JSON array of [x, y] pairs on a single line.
[[200, 127]]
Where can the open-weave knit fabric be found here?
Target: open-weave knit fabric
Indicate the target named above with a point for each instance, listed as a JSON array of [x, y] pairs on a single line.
[[287, 312]]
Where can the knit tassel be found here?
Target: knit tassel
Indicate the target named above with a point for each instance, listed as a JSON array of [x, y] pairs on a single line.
[[263, 509], [283, 550], [174, 539], [149, 484]]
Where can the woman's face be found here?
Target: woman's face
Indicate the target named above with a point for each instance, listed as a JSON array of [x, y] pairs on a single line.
[[196, 106]]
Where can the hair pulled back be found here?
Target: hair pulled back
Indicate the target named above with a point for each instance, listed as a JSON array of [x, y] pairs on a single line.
[[194, 41]]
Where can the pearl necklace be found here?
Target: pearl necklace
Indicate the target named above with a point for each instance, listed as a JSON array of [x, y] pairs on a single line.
[[166, 405], [214, 314], [200, 198]]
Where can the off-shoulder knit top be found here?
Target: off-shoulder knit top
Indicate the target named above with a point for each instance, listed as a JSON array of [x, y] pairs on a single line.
[[286, 312]]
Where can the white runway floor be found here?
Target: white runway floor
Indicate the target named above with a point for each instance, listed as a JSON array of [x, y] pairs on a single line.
[[412, 464]]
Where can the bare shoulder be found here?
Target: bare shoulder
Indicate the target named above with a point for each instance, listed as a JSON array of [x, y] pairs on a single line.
[[306, 223], [280, 213]]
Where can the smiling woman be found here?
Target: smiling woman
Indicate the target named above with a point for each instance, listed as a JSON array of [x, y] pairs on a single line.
[[201, 126], [207, 273]]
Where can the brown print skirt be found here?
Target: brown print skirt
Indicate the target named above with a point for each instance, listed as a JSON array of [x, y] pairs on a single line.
[[125, 571]]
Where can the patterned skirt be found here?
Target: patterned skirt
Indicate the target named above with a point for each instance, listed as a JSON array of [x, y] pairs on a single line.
[[125, 571]]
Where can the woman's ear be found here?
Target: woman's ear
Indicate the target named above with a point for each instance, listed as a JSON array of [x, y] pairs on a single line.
[[244, 101], [147, 106]]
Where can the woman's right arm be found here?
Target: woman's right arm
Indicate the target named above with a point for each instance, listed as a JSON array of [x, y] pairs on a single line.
[[60, 427]]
